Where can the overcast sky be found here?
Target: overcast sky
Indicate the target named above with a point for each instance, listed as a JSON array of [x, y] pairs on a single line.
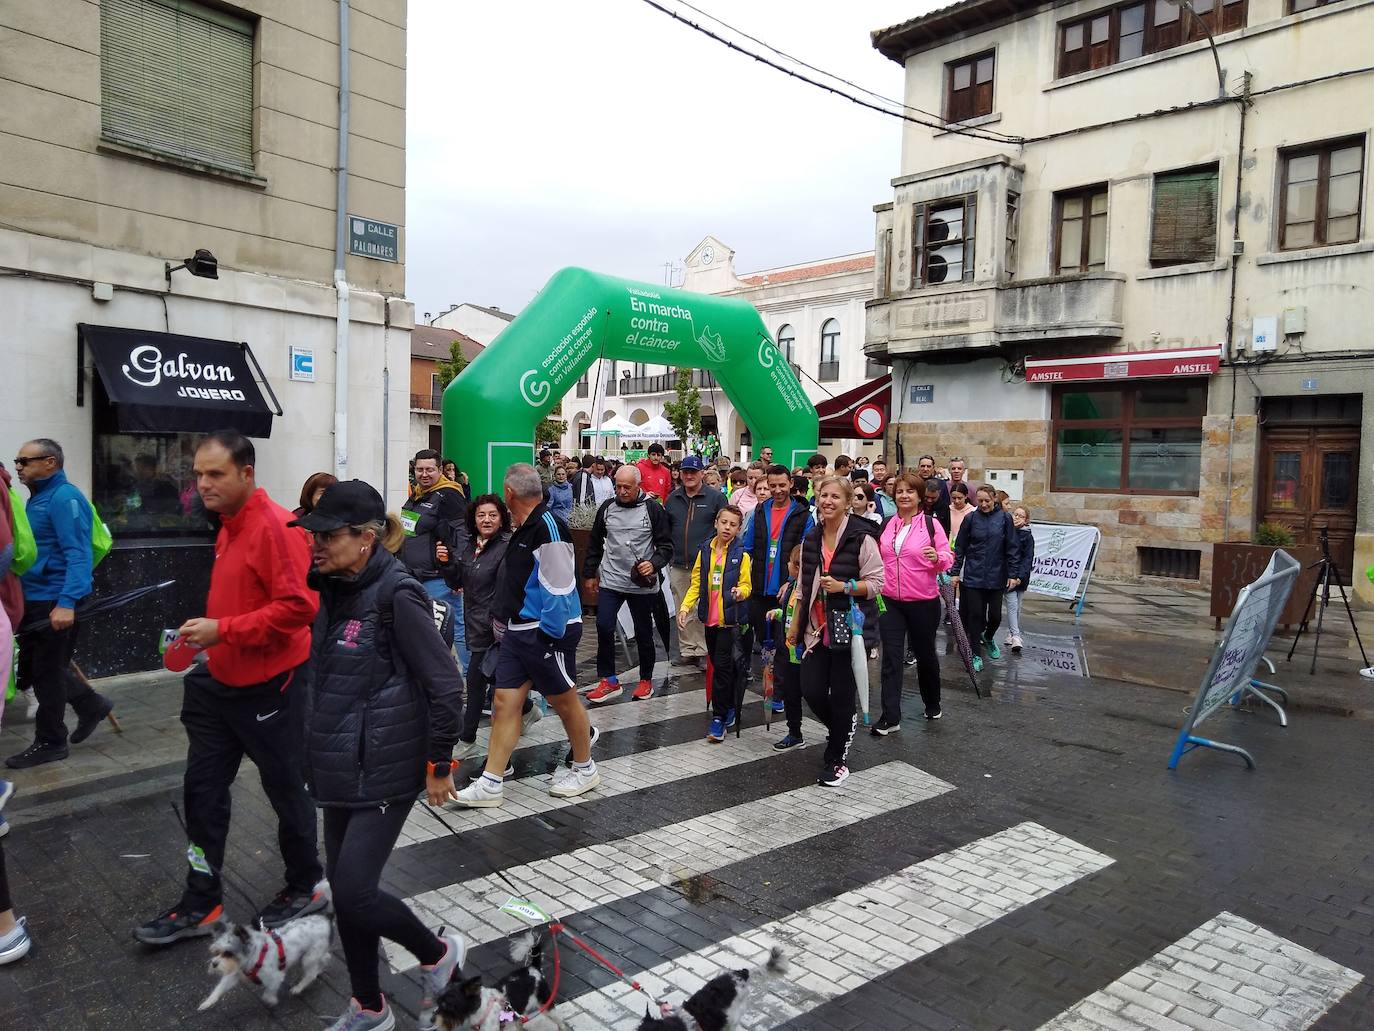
[[601, 133]]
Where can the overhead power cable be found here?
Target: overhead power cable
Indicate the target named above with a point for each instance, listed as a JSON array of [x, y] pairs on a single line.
[[831, 75], [953, 129]]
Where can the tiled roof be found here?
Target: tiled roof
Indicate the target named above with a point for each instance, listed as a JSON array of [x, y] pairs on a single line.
[[497, 312], [433, 342], [824, 268]]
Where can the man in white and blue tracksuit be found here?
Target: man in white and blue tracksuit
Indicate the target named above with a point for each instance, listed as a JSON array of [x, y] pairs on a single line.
[[59, 578], [537, 615]]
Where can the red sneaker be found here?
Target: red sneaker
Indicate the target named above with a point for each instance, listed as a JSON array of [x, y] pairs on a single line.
[[644, 691], [604, 691]]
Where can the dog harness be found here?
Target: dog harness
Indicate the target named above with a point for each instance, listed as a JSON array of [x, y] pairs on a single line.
[[252, 972]]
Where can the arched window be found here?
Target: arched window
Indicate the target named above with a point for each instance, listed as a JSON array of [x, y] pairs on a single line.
[[830, 351], [787, 343]]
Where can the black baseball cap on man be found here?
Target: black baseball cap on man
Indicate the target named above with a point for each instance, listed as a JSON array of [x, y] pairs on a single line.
[[346, 503]]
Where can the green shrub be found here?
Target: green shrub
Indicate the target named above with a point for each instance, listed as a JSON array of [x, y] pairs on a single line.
[[1274, 535]]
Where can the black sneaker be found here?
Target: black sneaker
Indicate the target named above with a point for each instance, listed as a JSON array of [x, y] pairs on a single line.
[[910, 659], [567, 759], [177, 923], [37, 754], [935, 715], [884, 727], [834, 776], [790, 741], [288, 905], [86, 726]]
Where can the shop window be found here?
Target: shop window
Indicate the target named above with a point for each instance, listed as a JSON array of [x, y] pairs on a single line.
[[145, 485], [1145, 438], [176, 78], [968, 88], [944, 232], [1319, 202], [1130, 30], [1080, 229], [1184, 223]]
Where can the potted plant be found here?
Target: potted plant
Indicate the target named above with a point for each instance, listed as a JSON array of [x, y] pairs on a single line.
[[1238, 563], [580, 522]]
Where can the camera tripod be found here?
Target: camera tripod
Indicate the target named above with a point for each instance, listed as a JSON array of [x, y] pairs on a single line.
[[1323, 586]]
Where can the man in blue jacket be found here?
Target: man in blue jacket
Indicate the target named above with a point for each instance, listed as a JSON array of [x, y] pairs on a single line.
[[59, 578]]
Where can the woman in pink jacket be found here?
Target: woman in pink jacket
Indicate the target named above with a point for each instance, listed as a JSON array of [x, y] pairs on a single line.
[[915, 550]]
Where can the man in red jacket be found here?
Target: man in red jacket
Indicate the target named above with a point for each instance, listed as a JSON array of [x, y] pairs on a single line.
[[256, 640]]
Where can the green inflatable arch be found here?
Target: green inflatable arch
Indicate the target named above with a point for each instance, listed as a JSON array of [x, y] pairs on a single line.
[[490, 411]]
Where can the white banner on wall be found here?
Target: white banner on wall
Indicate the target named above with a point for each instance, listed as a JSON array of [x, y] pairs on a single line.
[[1063, 558]]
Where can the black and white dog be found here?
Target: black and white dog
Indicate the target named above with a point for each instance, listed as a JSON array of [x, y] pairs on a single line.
[[467, 1005], [263, 958], [719, 1004]]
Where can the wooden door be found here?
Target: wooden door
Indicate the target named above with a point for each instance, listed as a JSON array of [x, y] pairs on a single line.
[[1309, 478]]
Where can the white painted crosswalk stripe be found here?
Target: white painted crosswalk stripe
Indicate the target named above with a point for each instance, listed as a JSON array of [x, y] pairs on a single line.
[[1226, 974], [847, 942], [600, 874], [618, 716], [650, 768]]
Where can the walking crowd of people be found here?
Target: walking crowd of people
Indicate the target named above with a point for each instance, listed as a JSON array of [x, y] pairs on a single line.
[[351, 653]]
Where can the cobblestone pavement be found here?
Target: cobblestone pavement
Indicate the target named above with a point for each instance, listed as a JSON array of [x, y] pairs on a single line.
[[1025, 862]]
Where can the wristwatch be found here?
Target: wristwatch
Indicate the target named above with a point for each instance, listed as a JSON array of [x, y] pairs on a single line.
[[440, 769]]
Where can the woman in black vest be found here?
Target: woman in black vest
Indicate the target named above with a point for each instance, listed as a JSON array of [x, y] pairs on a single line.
[[381, 722], [840, 566]]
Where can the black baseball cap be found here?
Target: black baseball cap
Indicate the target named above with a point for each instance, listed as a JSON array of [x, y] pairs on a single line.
[[346, 503]]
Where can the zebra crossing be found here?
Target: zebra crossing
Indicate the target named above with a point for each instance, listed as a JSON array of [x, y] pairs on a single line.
[[1228, 974]]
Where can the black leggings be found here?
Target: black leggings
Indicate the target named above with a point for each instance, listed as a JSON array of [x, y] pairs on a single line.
[[910, 624], [5, 902], [479, 696], [981, 611], [827, 681], [357, 843]]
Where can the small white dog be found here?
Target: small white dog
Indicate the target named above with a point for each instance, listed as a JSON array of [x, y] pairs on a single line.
[[263, 957]]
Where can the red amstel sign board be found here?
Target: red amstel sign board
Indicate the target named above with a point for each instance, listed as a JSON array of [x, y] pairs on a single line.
[[1193, 361]]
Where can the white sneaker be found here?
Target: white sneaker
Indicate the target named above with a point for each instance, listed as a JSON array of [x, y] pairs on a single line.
[[530, 718], [479, 795], [15, 945], [465, 750], [1014, 643], [436, 978], [570, 782]]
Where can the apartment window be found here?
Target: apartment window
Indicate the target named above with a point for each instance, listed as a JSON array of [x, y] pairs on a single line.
[[1184, 222], [829, 370], [1127, 31], [787, 343], [583, 385], [968, 88], [1320, 200], [1298, 6], [1080, 230], [1145, 438], [176, 77], [1013, 232], [944, 232]]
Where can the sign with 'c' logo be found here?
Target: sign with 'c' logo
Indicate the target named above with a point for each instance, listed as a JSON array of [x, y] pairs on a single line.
[[535, 391], [766, 354]]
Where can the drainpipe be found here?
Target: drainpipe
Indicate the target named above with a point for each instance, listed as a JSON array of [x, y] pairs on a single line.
[[1236, 245], [341, 354]]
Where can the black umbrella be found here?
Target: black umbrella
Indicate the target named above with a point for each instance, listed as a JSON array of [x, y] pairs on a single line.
[[957, 631], [89, 608]]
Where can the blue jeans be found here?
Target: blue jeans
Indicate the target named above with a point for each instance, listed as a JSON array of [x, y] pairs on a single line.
[[439, 589]]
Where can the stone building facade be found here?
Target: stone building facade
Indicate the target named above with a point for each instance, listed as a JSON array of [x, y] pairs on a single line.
[[1123, 265]]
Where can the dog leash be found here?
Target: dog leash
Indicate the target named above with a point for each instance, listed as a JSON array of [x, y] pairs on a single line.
[[224, 879], [555, 928]]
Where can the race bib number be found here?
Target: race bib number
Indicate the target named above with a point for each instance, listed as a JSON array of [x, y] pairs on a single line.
[[717, 578], [773, 551], [409, 521]]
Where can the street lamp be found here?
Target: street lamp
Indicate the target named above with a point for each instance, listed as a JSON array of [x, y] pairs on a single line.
[[202, 265], [1187, 5]]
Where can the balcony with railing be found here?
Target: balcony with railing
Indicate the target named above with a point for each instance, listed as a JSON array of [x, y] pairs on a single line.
[[426, 402], [665, 382]]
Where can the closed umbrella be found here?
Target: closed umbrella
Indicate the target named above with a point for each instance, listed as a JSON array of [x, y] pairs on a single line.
[[92, 607], [858, 657], [957, 631]]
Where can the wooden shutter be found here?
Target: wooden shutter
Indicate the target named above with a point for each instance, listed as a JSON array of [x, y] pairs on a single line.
[[177, 77], [1185, 217]]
